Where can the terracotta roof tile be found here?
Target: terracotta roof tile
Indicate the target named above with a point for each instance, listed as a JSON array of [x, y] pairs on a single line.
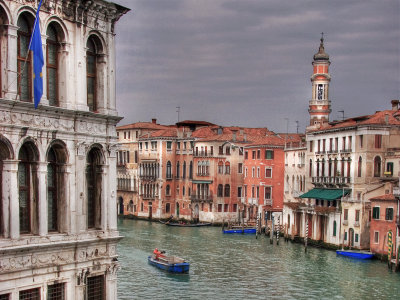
[[142, 125], [386, 197]]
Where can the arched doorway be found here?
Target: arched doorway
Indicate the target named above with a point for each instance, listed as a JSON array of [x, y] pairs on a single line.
[[121, 205], [196, 213], [150, 210], [351, 237], [177, 210]]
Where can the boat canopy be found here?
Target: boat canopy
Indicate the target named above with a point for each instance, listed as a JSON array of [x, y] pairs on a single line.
[[326, 194]]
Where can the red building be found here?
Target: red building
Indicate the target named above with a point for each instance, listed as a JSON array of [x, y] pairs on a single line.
[[384, 218]]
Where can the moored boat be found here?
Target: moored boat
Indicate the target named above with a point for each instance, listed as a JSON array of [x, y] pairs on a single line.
[[240, 230], [172, 264], [355, 254], [185, 224]]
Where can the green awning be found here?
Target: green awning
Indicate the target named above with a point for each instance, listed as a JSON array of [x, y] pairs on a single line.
[[325, 194]]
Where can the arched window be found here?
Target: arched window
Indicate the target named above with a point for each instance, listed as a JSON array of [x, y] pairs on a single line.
[[168, 170], [24, 59], [91, 74], [94, 187], [310, 168], [52, 65], [220, 167], [227, 168], [4, 154], [167, 190], [288, 221], [377, 166], [220, 190], [177, 169], [323, 168], [191, 170], [167, 208], [334, 228], [227, 190], [359, 167], [184, 170], [27, 188], [52, 201], [130, 208]]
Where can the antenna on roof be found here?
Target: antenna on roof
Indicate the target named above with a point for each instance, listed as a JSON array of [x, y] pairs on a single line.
[[178, 109], [297, 126], [342, 111]]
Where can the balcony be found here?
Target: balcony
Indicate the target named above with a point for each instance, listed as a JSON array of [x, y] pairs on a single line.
[[202, 154], [253, 201], [202, 174], [320, 152], [345, 222], [201, 198], [148, 177], [268, 202], [332, 152], [346, 151], [356, 224], [331, 180], [148, 197]]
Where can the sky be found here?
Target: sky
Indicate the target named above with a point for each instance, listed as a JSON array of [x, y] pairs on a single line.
[[248, 62]]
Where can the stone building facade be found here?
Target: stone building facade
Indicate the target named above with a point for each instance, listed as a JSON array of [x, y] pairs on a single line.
[[58, 228]]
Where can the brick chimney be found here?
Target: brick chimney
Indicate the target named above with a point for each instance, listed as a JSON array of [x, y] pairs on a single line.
[[154, 121], [395, 104]]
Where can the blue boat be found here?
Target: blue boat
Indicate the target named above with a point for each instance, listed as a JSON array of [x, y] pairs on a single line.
[[170, 264], [240, 230], [355, 254]]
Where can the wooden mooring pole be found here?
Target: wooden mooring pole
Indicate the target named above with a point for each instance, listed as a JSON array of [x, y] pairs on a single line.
[[305, 238], [271, 234], [277, 231]]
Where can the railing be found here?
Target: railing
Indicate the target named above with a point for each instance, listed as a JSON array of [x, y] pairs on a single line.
[[345, 222], [331, 179], [331, 151], [148, 177], [202, 174], [202, 154], [205, 198], [253, 201], [169, 177], [148, 197], [356, 224], [268, 202], [346, 151], [320, 152]]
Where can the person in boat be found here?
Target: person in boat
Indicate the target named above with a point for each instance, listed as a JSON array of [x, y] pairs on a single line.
[[158, 253]]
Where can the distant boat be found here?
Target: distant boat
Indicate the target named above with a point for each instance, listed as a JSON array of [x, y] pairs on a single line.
[[355, 254], [172, 264], [240, 230], [185, 224]]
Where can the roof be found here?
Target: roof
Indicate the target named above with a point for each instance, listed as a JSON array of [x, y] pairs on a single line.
[[380, 118], [386, 197], [142, 125], [325, 194]]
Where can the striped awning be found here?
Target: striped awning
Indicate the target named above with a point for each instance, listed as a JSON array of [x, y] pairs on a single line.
[[326, 194]]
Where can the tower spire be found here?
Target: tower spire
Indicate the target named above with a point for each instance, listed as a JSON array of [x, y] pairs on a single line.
[[320, 105]]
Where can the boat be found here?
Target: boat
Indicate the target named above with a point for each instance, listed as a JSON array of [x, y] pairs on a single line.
[[240, 230], [355, 254], [172, 264], [185, 224]]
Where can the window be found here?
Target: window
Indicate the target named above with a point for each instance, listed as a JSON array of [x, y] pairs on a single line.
[[136, 157], [228, 150], [346, 214], [267, 193], [94, 188], [240, 168], [168, 190], [141, 207], [269, 154], [56, 291], [221, 150], [5, 296], [377, 166], [389, 214], [359, 170], [95, 288], [52, 65], [375, 212], [376, 237], [357, 215], [227, 168], [258, 154], [190, 170], [361, 141], [378, 141], [258, 172], [25, 80], [183, 191], [246, 155], [345, 235], [220, 190], [219, 207], [169, 145], [184, 170], [245, 172], [32, 294], [220, 167], [169, 170], [211, 150], [178, 145], [268, 173], [177, 169], [226, 207], [239, 192], [235, 207], [167, 208], [253, 172], [356, 238], [227, 190], [311, 146], [91, 56], [253, 154], [258, 192], [389, 168], [334, 228], [52, 203]]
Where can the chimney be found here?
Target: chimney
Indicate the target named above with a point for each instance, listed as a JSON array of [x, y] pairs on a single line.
[[154, 121], [395, 105]]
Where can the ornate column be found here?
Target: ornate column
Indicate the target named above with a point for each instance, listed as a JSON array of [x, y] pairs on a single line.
[[42, 201], [11, 69], [10, 199], [111, 280]]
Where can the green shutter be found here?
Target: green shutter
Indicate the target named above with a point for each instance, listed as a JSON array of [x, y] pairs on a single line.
[[334, 228], [375, 213]]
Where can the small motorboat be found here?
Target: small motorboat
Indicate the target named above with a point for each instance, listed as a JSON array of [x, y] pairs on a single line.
[[355, 254], [240, 230], [172, 264]]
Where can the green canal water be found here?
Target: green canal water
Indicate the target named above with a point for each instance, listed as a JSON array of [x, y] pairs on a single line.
[[242, 267]]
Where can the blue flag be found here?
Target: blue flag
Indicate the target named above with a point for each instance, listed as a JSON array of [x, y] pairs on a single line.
[[38, 61]]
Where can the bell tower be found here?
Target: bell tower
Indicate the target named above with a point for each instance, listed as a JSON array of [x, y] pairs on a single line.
[[320, 105]]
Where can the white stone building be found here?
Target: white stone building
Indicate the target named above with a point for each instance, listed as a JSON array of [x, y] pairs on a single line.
[[58, 228]]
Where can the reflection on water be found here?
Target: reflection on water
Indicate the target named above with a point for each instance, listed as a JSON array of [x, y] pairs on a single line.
[[242, 267]]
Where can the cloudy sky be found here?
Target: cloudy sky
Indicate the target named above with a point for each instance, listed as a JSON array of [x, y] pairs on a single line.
[[248, 62]]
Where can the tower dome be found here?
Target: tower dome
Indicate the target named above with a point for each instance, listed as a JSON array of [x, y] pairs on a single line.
[[321, 55]]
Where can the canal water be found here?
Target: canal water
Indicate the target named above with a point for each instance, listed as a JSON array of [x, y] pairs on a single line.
[[242, 267]]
